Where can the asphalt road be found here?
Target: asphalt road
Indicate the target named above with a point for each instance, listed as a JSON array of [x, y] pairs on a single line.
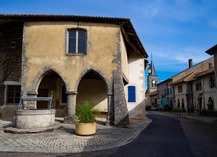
[[166, 136]]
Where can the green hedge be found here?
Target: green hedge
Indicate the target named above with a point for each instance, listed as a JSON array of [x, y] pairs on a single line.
[[211, 113], [176, 109]]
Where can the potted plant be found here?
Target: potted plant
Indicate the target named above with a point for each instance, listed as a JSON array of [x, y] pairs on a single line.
[[86, 123]]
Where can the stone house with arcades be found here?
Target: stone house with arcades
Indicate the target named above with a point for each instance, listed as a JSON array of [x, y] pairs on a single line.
[[194, 88], [75, 58]]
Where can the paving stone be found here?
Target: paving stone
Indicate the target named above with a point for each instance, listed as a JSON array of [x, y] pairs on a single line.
[[64, 140]]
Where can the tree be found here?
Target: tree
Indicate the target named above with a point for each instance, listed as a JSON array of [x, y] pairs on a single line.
[[10, 58]]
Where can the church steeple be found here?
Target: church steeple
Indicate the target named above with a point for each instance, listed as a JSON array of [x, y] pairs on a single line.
[[152, 79], [151, 68]]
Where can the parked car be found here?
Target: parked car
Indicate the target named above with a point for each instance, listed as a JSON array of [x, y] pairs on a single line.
[[165, 108], [154, 108], [148, 107]]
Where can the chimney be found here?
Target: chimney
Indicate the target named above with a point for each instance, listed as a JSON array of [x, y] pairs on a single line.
[[190, 63]]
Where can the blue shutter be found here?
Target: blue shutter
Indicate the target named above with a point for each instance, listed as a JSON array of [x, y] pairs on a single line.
[[131, 94]]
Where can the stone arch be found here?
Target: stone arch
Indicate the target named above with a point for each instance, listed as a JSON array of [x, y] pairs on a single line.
[[94, 87], [183, 104], [178, 103], [40, 75], [210, 103], [199, 102], [100, 74]]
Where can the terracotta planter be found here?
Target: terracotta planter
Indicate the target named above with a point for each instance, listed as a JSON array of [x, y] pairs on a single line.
[[85, 129]]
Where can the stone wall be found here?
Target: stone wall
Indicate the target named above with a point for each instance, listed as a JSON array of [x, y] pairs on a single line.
[[2, 87]]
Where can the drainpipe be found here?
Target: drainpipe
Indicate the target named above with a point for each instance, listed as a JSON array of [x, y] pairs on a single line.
[[108, 122]]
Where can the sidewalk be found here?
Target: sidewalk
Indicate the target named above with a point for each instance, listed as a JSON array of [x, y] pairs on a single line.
[[64, 140], [193, 115]]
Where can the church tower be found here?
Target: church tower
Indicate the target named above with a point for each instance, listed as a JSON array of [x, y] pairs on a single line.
[[152, 79]]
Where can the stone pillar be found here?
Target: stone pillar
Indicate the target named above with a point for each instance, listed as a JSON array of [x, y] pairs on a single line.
[[121, 117], [108, 120], [71, 100]]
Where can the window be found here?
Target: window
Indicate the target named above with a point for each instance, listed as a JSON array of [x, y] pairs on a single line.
[[153, 83], [198, 86], [131, 94], [179, 88], [77, 41], [211, 82], [13, 94]]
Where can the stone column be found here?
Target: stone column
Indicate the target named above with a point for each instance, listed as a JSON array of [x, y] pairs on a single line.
[[71, 100], [108, 108], [121, 117]]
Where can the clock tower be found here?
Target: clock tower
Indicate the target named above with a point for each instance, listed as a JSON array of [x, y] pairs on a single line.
[[152, 79]]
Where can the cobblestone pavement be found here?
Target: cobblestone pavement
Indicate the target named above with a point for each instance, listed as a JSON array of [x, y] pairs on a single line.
[[64, 140]]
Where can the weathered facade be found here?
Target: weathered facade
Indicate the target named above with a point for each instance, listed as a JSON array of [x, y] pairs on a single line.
[[80, 58], [190, 90], [165, 94]]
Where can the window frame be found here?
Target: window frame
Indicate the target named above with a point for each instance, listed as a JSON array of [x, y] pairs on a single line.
[[211, 82], [76, 42], [14, 92]]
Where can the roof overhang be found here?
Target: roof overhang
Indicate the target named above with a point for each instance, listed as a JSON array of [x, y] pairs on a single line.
[[212, 50], [125, 24]]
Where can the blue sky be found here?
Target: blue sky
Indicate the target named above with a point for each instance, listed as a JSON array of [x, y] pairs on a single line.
[[173, 31]]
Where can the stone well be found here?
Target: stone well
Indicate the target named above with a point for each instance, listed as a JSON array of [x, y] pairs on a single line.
[[30, 119]]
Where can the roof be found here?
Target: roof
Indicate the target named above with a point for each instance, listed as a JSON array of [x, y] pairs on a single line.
[[205, 72], [212, 50], [153, 71], [187, 78], [127, 28], [151, 94], [194, 75], [186, 70]]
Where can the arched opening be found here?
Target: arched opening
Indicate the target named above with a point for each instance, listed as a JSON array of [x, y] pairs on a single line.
[[183, 105], [52, 84], [178, 104], [210, 104], [93, 88], [199, 103]]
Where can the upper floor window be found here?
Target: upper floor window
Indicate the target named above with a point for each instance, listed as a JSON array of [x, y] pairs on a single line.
[[77, 41], [198, 86], [153, 83], [179, 88], [211, 82]]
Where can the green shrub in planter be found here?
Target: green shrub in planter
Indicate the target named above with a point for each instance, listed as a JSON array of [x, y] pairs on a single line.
[[85, 112]]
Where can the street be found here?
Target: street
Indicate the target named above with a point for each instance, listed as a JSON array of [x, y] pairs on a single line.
[[166, 136]]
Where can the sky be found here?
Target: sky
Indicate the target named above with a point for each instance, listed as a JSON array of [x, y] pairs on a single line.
[[171, 31]]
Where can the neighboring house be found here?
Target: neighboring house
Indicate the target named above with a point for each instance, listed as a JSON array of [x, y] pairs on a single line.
[[188, 88], [213, 51], [196, 91], [191, 89], [165, 94], [76, 59]]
